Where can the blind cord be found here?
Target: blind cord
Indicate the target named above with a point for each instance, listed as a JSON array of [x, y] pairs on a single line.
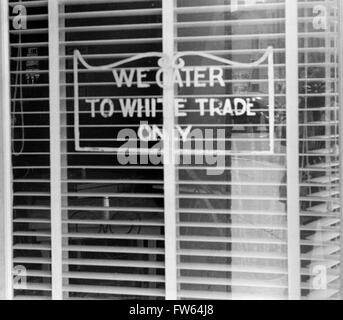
[[18, 82]]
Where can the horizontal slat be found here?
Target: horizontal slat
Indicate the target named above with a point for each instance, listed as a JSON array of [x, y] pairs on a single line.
[[37, 274], [273, 239], [325, 165], [244, 226], [31, 194], [114, 236], [111, 13], [326, 194], [77, 2], [119, 27], [325, 179], [32, 221], [233, 254], [114, 277], [113, 209], [115, 223], [122, 291], [227, 8], [236, 282], [111, 249], [322, 236], [115, 263], [323, 208], [31, 247], [233, 268], [113, 195], [33, 287], [31, 298], [323, 223], [33, 207], [112, 42], [321, 252], [29, 4], [32, 234], [231, 212], [209, 295], [204, 196], [32, 260]]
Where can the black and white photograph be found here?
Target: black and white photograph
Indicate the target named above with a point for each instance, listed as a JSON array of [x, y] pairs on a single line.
[[171, 150]]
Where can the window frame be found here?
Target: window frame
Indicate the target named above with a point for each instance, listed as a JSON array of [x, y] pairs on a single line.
[[293, 183], [293, 208], [6, 286]]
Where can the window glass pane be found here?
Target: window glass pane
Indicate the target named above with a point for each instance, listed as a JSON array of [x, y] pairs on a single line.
[[233, 181], [113, 218], [29, 67], [319, 149], [232, 206]]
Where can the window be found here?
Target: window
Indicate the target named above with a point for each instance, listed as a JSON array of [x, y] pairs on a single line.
[[240, 200]]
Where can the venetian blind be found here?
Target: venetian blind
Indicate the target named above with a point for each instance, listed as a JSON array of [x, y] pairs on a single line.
[[113, 213], [231, 211], [232, 241], [30, 147], [319, 149]]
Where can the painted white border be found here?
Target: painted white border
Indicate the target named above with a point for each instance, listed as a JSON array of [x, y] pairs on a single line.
[[168, 63]]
